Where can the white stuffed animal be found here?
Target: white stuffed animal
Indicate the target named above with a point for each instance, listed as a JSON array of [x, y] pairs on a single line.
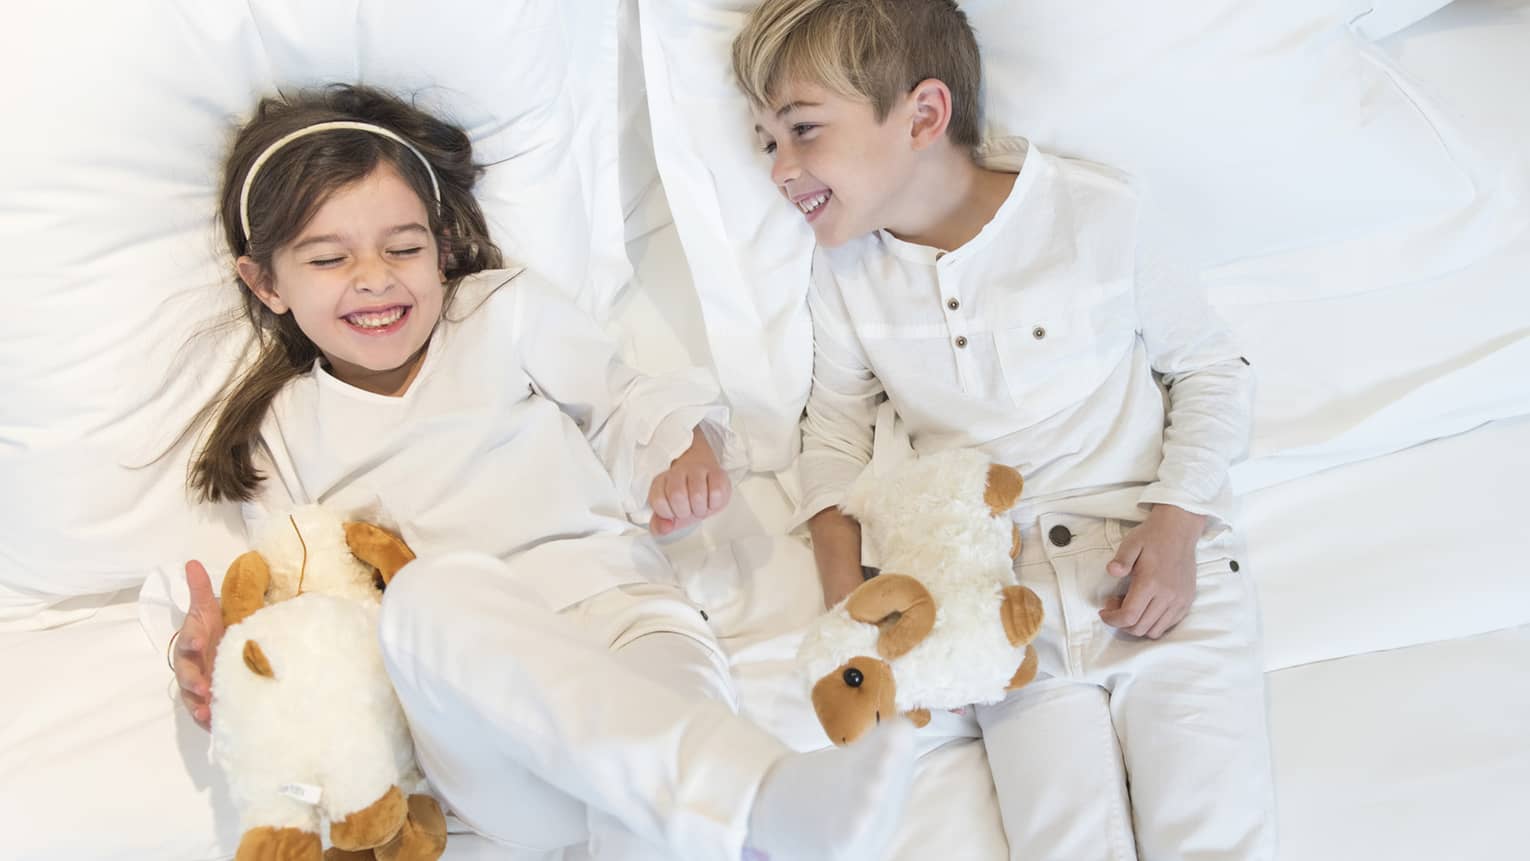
[[945, 624], [304, 718]]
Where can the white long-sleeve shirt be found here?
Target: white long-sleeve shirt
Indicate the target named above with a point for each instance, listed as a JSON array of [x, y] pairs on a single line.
[[1038, 342], [523, 436]]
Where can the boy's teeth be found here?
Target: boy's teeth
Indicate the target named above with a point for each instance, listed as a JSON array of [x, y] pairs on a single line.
[[376, 320], [813, 203]]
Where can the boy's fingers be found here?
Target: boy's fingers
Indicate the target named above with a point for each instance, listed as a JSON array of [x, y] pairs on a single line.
[[1150, 616], [1125, 559], [660, 525], [1169, 619], [1131, 609]]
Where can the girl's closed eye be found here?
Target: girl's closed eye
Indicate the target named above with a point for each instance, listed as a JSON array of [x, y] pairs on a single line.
[[325, 262], [407, 252]]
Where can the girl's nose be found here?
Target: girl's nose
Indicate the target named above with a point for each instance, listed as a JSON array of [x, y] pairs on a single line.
[[373, 275]]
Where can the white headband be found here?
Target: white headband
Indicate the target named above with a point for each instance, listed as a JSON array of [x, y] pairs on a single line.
[[265, 155]]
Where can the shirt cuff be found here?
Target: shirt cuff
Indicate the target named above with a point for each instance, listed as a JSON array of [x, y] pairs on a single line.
[[825, 479], [1219, 511]]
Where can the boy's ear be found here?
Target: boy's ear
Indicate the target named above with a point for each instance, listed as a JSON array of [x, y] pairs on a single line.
[[260, 283], [930, 101]]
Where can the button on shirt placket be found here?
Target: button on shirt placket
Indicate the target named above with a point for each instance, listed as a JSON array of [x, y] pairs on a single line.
[[955, 325]]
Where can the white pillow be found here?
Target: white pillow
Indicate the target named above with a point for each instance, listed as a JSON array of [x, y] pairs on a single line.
[[108, 175], [1266, 130], [1386, 17]]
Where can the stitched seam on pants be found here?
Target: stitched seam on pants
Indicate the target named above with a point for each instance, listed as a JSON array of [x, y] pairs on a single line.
[[1120, 817]]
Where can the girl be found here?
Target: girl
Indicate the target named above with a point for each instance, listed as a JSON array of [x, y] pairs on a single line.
[[557, 681]]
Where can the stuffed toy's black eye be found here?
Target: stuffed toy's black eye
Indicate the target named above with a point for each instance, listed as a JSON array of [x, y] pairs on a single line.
[[853, 677]]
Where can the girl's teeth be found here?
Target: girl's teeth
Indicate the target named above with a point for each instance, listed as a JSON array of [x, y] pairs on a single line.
[[376, 320]]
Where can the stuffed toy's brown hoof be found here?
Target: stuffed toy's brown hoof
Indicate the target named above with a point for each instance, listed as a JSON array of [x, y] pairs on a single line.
[[1003, 489], [1027, 671], [333, 854], [423, 837], [378, 548], [1021, 612], [854, 698], [900, 606], [279, 844], [373, 825], [920, 717]]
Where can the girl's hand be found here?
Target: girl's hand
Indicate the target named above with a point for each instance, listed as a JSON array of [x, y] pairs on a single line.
[[691, 490], [1159, 556], [196, 645]]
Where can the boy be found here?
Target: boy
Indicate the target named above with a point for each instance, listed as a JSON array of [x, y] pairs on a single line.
[[996, 297]]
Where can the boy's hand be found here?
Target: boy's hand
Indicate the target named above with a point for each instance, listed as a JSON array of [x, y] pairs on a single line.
[[691, 490], [1159, 556], [197, 645]]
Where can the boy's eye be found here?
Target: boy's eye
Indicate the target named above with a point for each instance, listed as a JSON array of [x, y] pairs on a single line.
[[801, 129], [769, 148]]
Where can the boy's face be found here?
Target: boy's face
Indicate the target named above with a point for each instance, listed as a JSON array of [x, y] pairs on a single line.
[[841, 168]]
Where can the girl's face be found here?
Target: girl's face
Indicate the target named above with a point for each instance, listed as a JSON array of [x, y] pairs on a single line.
[[363, 280]]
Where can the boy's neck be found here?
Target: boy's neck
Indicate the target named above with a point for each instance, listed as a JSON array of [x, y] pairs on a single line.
[[949, 200]]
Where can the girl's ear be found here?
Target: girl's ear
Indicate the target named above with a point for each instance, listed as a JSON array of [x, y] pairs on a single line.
[[260, 283]]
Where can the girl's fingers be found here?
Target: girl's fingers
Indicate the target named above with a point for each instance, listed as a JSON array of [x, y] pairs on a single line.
[[200, 586], [719, 490], [679, 499], [696, 489], [659, 502]]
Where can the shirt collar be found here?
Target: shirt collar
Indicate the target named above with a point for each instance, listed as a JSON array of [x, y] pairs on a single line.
[[1014, 154]]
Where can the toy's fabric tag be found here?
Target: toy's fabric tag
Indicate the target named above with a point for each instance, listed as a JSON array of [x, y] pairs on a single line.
[[301, 792]]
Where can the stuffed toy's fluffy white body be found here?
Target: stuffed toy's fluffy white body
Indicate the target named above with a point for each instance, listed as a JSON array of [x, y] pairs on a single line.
[[934, 519], [305, 721]]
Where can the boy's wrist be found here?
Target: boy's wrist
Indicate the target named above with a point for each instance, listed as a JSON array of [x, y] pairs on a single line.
[[1185, 524]]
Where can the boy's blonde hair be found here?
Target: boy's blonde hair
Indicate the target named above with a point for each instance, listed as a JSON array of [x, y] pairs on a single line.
[[874, 50]]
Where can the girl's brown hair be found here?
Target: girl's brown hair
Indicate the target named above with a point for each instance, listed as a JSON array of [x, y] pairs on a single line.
[[287, 193]]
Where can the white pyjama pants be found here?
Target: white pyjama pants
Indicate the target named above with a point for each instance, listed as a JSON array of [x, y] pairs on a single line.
[[1126, 748], [611, 721]]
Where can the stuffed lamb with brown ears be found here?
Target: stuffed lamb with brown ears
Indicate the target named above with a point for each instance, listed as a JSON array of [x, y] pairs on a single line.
[[305, 723], [945, 624]]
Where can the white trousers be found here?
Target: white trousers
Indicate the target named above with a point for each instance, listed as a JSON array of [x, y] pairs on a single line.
[[611, 721], [1125, 747]]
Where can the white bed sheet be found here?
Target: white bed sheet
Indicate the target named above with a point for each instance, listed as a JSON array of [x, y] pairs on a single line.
[[1417, 754]]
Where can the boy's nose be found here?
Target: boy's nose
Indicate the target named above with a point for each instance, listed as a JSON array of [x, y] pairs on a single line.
[[784, 169]]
